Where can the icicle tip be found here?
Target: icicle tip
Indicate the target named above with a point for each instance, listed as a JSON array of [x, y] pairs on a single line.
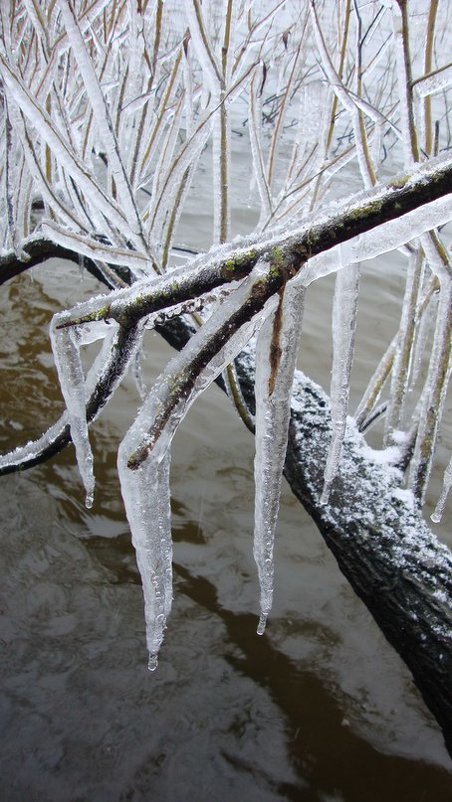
[[152, 662], [262, 624]]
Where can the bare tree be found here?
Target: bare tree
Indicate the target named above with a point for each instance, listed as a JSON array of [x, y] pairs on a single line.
[[108, 113]]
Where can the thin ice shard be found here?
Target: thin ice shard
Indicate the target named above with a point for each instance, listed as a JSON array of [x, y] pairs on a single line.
[[403, 356], [433, 396], [276, 354], [66, 352], [345, 306]]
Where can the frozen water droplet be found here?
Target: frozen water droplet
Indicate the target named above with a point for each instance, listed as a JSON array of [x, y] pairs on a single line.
[[152, 662], [89, 500], [262, 624], [435, 517]]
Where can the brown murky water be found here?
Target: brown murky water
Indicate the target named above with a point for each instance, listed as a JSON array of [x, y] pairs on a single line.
[[320, 709]]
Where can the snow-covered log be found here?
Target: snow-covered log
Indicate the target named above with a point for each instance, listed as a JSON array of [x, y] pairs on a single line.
[[382, 545]]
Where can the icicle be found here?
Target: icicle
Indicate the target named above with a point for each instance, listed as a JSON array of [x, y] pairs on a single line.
[[144, 454], [344, 322], [447, 484], [405, 342], [147, 501], [276, 353], [106, 370], [66, 352]]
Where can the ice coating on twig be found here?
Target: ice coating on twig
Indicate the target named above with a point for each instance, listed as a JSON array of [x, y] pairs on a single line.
[[345, 306], [145, 481], [438, 81], [403, 355], [103, 120], [276, 353], [381, 239]]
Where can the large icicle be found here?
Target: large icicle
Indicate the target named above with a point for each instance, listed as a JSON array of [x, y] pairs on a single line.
[[276, 354], [143, 458], [345, 306], [147, 501]]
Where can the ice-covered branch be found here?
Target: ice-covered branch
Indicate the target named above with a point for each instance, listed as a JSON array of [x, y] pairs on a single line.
[[359, 228]]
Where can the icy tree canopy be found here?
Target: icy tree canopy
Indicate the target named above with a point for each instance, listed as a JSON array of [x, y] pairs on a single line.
[[110, 112]]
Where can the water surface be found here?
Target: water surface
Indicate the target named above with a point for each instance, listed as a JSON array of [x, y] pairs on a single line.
[[319, 709]]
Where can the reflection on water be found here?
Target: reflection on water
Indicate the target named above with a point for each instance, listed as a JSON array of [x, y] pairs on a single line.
[[318, 709]]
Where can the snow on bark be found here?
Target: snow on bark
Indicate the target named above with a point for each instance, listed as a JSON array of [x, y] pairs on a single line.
[[276, 353], [345, 306]]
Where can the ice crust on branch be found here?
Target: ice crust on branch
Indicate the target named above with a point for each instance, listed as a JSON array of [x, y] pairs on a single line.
[[381, 239]]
